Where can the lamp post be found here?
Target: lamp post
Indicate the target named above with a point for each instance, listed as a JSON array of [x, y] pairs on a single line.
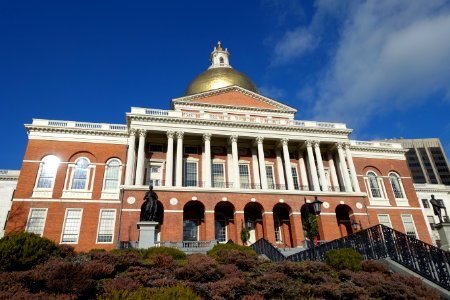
[[317, 206], [355, 225]]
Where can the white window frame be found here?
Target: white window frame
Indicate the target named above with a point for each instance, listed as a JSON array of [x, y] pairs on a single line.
[[412, 222], [388, 219], [225, 227], [113, 226], [382, 200], [186, 161], [154, 163], [399, 201], [29, 216], [220, 184], [64, 225], [44, 192], [113, 193], [270, 165], [278, 230], [296, 184], [245, 185], [85, 193]]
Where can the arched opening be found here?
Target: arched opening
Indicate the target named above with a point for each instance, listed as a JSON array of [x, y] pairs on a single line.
[[282, 224], [224, 222], [193, 218], [254, 221], [343, 213], [311, 222], [160, 220]]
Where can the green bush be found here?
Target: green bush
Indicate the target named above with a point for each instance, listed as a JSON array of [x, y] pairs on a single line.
[[166, 293], [24, 250], [175, 253], [213, 252], [345, 258]]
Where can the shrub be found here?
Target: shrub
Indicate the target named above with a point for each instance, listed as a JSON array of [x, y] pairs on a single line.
[[213, 252], [276, 286], [200, 268], [24, 250], [374, 266], [241, 259], [345, 258], [229, 288], [165, 293], [175, 253], [120, 262]]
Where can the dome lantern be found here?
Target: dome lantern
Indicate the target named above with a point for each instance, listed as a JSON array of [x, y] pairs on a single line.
[[220, 58]]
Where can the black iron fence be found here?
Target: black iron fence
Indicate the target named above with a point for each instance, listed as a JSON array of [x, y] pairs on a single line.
[[380, 242]]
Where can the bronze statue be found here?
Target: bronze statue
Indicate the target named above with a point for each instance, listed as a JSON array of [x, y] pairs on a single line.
[[150, 206], [437, 208]]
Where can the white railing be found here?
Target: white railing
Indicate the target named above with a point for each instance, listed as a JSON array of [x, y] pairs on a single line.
[[376, 144], [236, 118], [82, 125]]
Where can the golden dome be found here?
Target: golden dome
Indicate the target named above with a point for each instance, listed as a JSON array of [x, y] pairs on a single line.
[[220, 74], [216, 78]]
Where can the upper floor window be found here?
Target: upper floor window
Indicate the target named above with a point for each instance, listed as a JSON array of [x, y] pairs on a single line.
[[80, 174], [244, 176], [112, 175], [270, 177], [295, 177], [425, 203], [47, 172], [218, 175], [36, 220], [396, 185], [373, 185], [190, 173]]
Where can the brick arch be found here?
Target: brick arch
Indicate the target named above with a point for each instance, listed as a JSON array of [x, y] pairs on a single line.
[[111, 158], [367, 169], [92, 158], [395, 172]]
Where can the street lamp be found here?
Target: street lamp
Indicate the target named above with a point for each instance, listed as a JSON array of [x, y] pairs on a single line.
[[317, 205], [355, 225]]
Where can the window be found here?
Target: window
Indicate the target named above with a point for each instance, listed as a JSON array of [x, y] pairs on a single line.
[[106, 226], [440, 202], [36, 220], [373, 184], [112, 175], [295, 177], [191, 150], [410, 228], [218, 175], [396, 185], [221, 60], [190, 173], [154, 173], [277, 224], [220, 228], [47, 172], [431, 222], [79, 181], [156, 148], [384, 220], [244, 176], [425, 203], [270, 179], [190, 230], [71, 227]]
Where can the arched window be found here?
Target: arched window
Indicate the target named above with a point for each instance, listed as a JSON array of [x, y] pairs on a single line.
[[220, 228], [277, 225], [374, 186], [221, 60], [112, 175], [396, 185], [47, 173], [80, 174]]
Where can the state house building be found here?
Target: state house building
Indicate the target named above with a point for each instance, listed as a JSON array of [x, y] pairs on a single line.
[[223, 157]]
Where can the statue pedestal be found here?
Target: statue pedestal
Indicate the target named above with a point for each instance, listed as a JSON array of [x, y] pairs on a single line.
[[147, 234], [444, 235]]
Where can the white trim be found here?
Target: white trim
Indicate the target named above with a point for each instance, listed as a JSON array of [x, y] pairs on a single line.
[[45, 219], [111, 194], [189, 160], [67, 200], [209, 211], [44, 192], [64, 225], [388, 217], [394, 207], [113, 227], [327, 214], [399, 201], [413, 223]]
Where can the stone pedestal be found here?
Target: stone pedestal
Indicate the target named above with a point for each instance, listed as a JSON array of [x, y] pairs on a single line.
[[444, 235], [147, 234]]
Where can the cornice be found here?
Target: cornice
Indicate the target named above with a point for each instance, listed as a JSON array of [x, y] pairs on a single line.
[[189, 99], [97, 132], [237, 124], [377, 149]]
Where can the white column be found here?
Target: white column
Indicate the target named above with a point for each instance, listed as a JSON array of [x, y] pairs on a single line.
[[333, 172], [344, 169], [130, 157], [287, 164], [262, 163], [207, 161], [140, 166], [169, 159], [323, 178], [312, 166], [351, 166], [304, 176], [230, 169], [256, 180], [235, 153], [280, 169], [179, 167]]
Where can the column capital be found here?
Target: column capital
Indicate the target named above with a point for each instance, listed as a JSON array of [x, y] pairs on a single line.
[[309, 143], [340, 145], [346, 145], [284, 141], [142, 132], [133, 131], [180, 135], [206, 137], [170, 134], [233, 138], [316, 144], [259, 139]]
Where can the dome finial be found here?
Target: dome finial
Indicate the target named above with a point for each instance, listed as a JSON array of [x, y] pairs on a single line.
[[219, 47]]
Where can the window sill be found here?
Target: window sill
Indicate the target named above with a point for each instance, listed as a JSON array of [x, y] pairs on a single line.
[[77, 194], [379, 202], [110, 195], [42, 194], [402, 202]]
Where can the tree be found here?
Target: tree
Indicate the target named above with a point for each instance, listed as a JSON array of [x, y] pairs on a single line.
[[311, 227]]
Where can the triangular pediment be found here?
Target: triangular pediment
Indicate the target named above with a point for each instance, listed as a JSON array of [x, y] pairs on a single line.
[[235, 97]]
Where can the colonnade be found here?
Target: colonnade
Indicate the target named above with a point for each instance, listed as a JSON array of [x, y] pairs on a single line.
[[311, 174]]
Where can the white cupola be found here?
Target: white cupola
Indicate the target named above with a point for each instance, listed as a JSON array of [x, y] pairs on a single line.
[[220, 58]]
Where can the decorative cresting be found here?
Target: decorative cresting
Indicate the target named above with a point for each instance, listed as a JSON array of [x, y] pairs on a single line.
[[220, 74], [378, 242]]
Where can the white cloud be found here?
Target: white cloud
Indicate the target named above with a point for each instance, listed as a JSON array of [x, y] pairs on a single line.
[[389, 55]]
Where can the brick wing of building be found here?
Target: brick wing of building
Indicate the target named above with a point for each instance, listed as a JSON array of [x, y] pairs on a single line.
[[223, 157]]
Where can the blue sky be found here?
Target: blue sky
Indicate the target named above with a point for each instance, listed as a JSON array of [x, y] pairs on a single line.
[[382, 67]]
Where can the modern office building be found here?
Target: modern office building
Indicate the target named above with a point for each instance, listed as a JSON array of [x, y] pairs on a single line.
[[223, 157]]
